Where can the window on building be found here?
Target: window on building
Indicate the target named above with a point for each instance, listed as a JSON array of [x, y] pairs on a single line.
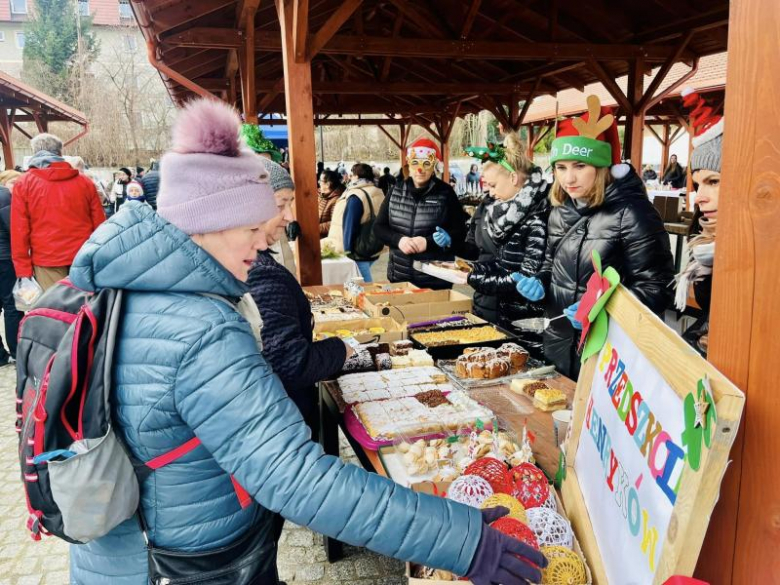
[[124, 9], [131, 43], [19, 39], [83, 7], [19, 6]]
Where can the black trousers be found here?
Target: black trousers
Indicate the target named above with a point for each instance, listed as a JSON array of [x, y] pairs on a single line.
[[11, 316]]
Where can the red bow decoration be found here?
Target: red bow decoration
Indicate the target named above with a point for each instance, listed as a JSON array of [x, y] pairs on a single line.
[[597, 286]]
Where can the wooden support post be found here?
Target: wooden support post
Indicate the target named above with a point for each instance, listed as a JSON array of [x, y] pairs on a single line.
[[303, 156], [744, 531], [529, 151], [635, 122], [666, 144], [5, 137], [405, 130], [41, 121], [248, 74]]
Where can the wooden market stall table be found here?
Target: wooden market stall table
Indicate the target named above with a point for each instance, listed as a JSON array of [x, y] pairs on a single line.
[[338, 270], [538, 422], [680, 231]]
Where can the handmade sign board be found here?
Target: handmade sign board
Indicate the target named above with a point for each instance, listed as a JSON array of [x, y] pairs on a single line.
[[652, 427]]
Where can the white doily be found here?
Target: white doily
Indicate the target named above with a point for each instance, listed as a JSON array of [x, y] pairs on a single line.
[[471, 490], [551, 528]]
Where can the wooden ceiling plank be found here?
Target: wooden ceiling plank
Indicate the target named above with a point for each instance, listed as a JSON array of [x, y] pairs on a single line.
[[165, 17], [471, 16], [399, 21], [611, 85], [664, 71]]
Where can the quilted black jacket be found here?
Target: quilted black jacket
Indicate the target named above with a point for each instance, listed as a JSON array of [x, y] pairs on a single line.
[[287, 335], [522, 251], [417, 212], [478, 246], [628, 234]]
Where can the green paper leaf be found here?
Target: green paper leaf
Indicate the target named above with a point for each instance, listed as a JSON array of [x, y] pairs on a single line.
[[614, 279], [597, 336], [597, 261], [480, 425], [560, 475], [453, 439]]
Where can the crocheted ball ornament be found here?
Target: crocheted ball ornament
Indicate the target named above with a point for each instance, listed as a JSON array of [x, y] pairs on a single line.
[[551, 528], [565, 567], [531, 486], [471, 490], [494, 472], [515, 508], [516, 529]]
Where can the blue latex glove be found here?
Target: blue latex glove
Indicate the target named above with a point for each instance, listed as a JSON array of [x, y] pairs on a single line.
[[570, 311], [442, 238], [497, 560], [528, 286]]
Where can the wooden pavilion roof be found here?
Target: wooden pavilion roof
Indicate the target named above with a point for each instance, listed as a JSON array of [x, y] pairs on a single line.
[[35, 106], [402, 58]]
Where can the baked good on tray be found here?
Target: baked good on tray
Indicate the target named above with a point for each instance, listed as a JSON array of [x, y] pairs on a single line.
[[528, 387], [488, 363], [549, 399], [367, 386], [414, 416], [459, 336]]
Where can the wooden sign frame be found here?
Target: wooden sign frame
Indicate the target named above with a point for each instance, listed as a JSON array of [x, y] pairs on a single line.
[[682, 368]]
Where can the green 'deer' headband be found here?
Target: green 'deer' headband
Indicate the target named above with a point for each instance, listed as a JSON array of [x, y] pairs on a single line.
[[577, 138]]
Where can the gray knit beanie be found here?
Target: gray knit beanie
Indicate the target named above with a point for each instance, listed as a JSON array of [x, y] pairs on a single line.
[[707, 155], [708, 132], [278, 176]]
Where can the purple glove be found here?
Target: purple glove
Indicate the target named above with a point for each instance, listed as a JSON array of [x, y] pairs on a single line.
[[496, 559]]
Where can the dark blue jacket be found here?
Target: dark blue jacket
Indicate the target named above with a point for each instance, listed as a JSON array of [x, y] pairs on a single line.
[[5, 223], [151, 184], [287, 334]]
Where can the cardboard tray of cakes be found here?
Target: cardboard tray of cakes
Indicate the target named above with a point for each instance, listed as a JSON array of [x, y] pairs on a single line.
[[456, 272], [450, 342]]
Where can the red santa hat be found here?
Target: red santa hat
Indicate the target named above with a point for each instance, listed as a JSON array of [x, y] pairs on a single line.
[[706, 124], [610, 135], [422, 148]]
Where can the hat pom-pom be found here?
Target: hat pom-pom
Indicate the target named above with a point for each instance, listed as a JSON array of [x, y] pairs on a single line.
[[207, 126]]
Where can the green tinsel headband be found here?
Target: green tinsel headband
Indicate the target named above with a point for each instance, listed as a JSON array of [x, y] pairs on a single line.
[[255, 140], [491, 153]]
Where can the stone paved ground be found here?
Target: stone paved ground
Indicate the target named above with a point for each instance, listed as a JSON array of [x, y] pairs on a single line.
[[24, 562]]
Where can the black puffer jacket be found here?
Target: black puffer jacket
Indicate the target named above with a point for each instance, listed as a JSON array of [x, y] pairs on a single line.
[[287, 335], [628, 234], [151, 184], [412, 212], [520, 250], [5, 223], [478, 246]]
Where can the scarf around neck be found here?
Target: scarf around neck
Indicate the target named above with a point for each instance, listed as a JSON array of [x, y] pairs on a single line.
[[701, 253], [504, 216]]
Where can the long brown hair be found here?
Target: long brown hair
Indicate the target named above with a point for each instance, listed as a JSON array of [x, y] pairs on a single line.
[[593, 198]]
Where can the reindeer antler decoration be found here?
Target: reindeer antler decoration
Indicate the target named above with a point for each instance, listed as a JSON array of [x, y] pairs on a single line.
[[594, 126]]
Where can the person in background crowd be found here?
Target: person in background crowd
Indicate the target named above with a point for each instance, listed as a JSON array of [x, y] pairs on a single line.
[[151, 183], [139, 173], [135, 192], [516, 225], [411, 214], [472, 178], [119, 191], [649, 174], [403, 173], [78, 163], [598, 204], [386, 181], [284, 194], [11, 317], [355, 209], [674, 174], [54, 210], [705, 166], [320, 168], [478, 246], [331, 189], [204, 378]]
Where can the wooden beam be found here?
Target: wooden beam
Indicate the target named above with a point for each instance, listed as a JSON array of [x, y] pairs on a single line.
[[391, 137], [213, 83], [5, 132], [22, 130], [635, 123], [421, 17], [654, 133], [471, 16], [399, 21], [611, 85], [331, 26], [744, 529], [300, 28], [552, 29], [303, 156], [205, 38], [666, 143], [528, 100], [663, 72], [270, 95], [402, 88]]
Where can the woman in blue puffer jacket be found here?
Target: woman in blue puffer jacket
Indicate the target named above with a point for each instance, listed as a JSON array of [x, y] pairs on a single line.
[[187, 366]]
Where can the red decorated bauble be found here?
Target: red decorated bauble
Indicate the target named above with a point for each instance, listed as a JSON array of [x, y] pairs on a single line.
[[516, 529], [494, 472], [531, 486]]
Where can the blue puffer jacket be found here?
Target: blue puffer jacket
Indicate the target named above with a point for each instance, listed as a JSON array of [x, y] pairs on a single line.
[[187, 365]]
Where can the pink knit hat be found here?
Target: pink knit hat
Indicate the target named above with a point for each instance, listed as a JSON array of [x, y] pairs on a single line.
[[209, 182]]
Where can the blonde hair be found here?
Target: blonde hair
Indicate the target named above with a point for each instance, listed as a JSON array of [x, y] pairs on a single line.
[[514, 154], [593, 198], [9, 175]]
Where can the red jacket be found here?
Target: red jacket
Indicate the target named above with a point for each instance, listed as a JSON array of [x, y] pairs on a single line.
[[53, 212]]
